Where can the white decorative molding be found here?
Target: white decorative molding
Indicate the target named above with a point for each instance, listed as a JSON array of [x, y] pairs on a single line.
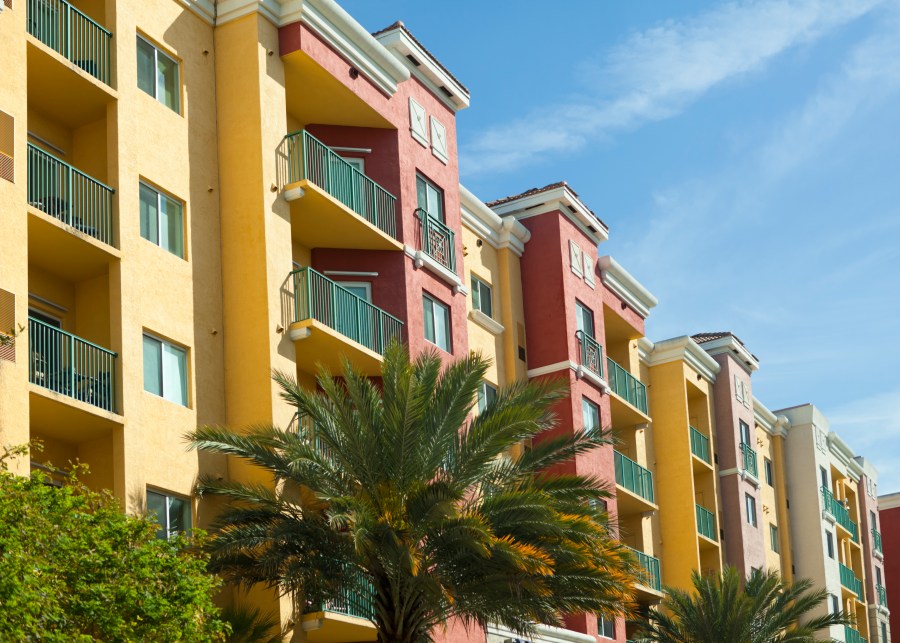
[[426, 67], [560, 198], [774, 425], [296, 334], [742, 473], [592, 377], [543, 634], [328, 21], [500, 232], [580, 371], [418, 122], [685, 349], [629, 289], [889, 501], [439, 147], [734, 349], [424, 260], [488, 323], [293, 194]]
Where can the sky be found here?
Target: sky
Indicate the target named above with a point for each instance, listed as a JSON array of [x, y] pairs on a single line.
[[744, 154]]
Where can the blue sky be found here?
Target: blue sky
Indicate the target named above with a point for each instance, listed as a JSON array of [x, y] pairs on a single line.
[[746, 156]]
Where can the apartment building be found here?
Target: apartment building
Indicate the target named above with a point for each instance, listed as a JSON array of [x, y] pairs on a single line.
[[887, 539], [830, 491]]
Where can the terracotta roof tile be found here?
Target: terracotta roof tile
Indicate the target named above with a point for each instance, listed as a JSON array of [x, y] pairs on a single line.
[[702, 338], [546, 188], [399, 25]]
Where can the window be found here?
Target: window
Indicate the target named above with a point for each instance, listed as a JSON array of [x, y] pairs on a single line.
[[835, 604], [590, 415], [823, 474], [162, 220], [745, 432], [361, 289], [158, 75], [437, 323], [884, 637], [878, 576], [7, 147], [770, 477], [417, 122], [829, 544], [486, 396], [606, 628], [773, 537], [173, 514], [481, 296], [750, 503], [165, 370], [430, 198], [584, 319], [873, 518]]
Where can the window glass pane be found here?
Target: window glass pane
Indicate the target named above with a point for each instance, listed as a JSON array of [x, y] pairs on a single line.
[[435, 203], [174, 368], [486, 396], [167, 75], [156, 509], [428, 308], [476, 294], [442, 326], [152, 366], [590, 415], [585, 319], [149, 214], [179, 516], [171, 226], [146, 67], [486, 300]]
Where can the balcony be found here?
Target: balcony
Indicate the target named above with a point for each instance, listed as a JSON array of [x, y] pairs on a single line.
[[437, 240], [882, 595], [68, 365], [748, 460], [334, 205], [650, 576], [706, 523], [700, 445], [69, 195], [876, 540], [348, 618], [850, 581], [70, 33], [627, 386], [852, 636], [591, 353], [839, 512], [637, 482], [331, 323]]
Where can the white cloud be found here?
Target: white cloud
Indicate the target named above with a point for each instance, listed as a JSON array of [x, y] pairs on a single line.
[[656, 73]]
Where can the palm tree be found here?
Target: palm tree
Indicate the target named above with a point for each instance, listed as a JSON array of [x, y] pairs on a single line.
[[767, 610], [394, 489]]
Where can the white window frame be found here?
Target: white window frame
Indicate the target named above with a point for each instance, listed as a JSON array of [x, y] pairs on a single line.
[[478, 285], [769, 470], [595, 408], [165, 527], [160, 195], [157, 53], [750, 507], [437, 303], [600, 628], [186, 385], [485, 398], [773, 538], [365, 285]]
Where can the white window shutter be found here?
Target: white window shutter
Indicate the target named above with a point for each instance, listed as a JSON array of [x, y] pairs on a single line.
[[439, 140], [588, 269], [418, 122], [738, 389], [575, 258]]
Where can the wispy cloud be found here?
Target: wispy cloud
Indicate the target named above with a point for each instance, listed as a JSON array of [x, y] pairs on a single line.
[[871, 426], [655, 74]]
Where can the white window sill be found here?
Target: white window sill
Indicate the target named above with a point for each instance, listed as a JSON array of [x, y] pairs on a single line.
[[488, 323]]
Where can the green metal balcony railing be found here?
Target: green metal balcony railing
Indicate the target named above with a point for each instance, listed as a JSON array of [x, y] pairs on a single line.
[[853, 636], [876, 537], [882, 595], [318, 297], [73, 197], [627, 386], [310, 159], [69, 32], [849, 580], [591, 353], [836, 508], [437, 240], [633, 476], [748, 455], [357, 599], [71, 366], [706, 523], [700, 445], [649, 569]]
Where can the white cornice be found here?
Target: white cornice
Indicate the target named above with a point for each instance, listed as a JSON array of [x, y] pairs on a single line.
[[620, 281], [428, 71], [645, 347], [580, 371], [562, 199], [844, 454], [730, 346], [772, 424], [889, 501], [500, 232], [684, 349], [327, 20], [543, 634]]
